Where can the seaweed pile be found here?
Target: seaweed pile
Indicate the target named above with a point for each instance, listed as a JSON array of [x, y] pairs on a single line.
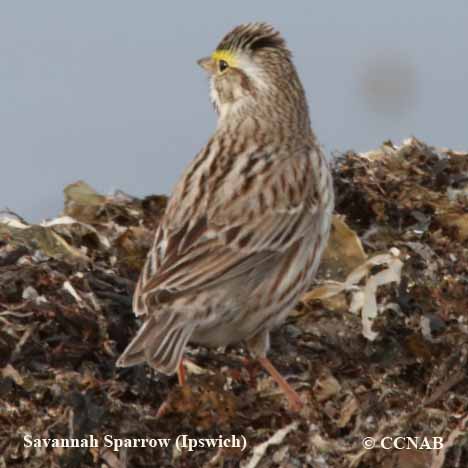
[[377, 348]]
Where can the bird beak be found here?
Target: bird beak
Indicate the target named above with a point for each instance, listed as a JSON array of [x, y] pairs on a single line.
[[208, 64]]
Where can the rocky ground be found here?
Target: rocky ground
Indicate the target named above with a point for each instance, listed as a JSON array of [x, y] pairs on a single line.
[[378, 348]]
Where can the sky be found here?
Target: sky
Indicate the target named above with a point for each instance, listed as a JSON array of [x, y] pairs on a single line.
[[109, 92]]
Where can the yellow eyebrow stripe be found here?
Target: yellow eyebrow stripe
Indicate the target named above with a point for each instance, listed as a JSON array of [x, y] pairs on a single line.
[[225, 55]]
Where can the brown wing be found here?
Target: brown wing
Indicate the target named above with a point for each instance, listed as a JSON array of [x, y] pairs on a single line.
[[232, 239]]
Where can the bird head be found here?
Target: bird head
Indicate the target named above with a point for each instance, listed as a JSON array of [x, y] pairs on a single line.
[[251, 67]]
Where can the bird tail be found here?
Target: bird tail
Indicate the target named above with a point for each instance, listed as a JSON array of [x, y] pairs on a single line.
[[160, 342]]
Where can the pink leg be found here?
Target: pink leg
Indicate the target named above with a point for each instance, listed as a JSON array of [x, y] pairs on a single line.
[[181, 373], [294, 399]]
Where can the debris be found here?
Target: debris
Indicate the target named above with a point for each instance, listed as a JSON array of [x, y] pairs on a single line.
[[377, 348], [460, 430], [260, 450], [325, 387], [364, 298]]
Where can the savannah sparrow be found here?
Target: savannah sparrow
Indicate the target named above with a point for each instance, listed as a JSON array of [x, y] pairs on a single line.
[[248, 221]]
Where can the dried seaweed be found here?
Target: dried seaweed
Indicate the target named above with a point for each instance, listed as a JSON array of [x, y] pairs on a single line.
[[397, 366]]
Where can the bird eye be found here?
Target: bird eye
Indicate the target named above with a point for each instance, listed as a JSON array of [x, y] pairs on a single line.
[[223, 65]]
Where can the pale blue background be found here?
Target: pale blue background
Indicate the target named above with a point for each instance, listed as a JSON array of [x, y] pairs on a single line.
[[108, 91]]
